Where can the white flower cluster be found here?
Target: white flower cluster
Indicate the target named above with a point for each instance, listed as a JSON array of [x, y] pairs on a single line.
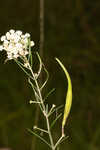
[[16, 44]]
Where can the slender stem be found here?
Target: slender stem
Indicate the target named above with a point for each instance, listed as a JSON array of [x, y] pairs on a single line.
[[38, 89], [50, 136], [44, 109], [42, 130], [58, 142]]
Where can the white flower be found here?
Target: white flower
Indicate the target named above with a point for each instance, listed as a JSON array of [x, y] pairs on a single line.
[[27, 35], [10, 47], [1, 48], [12, 36], [19, 45], [32, 43], [25, 41], [22, 36], [12, 31], [19, 32], [8, 36], [5, 44], [3, 38], [16, 44], [26, 52], [9, 55], [53, 105], [16, 38], [15, 56]]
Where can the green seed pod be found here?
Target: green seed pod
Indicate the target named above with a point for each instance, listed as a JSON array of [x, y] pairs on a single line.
[[68, 96]]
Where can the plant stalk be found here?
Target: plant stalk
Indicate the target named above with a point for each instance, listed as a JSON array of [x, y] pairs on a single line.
[[44, 109]]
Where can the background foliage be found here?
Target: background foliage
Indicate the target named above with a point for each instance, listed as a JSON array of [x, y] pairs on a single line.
[[72, 33]]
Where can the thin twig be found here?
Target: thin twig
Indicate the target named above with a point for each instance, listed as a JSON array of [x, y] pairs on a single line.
[[43, 108], [36, 128], [58, 142], [39, 137]]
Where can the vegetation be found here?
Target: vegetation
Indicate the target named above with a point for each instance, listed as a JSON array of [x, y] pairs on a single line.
[[72, 31]]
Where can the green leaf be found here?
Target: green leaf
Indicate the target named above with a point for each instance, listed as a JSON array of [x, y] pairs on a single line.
[[53, 123], [22, 67], [42, 139], [36, 94], [49, 93], [47, 108], [56, 109], [62, 140], [47, 77], [47, 74], [40, 61]]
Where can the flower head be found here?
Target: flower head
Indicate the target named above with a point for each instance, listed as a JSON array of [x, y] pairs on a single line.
[[16, 44]]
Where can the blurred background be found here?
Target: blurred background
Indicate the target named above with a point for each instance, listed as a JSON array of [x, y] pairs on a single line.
[[71, 33]]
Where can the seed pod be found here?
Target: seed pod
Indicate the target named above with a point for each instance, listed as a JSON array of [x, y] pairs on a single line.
[[68, 96]]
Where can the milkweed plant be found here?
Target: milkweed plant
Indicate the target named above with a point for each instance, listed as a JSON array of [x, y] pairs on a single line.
[[18, 47]]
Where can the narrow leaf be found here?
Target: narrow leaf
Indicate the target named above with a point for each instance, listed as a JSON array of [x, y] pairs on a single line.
[[47, 74], [51, 91], [65, 138], [35, 92], [42, 130], [59, 141], [62, 139], [47, 77], [56, 109], [53, 123], [42, 139], [47, 108], [40, 61], [22, 67]]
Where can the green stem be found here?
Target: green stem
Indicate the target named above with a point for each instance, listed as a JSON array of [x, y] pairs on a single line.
[[49, 132], [44, 109]]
